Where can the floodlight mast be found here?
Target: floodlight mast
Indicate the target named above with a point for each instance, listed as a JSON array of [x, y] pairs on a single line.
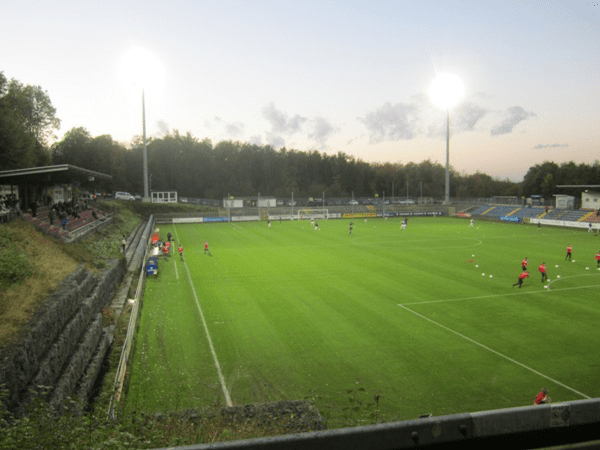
[[146, 194], [446, 92], [447, 187]]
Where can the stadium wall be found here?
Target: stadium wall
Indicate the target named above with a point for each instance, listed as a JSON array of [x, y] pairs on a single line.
[[567, 223], [60, 352]]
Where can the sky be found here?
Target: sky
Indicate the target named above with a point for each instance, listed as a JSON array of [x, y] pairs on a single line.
[[349, 76]]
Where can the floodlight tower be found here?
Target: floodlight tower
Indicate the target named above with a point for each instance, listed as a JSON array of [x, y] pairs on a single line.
[[146, 193], [446, 91]]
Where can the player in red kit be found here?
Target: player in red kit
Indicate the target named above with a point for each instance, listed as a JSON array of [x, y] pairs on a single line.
[[206, 250], [542, 397], [524, 264], [180, 250], [519, 283], [598, 259], [569, 252], [542, 270]]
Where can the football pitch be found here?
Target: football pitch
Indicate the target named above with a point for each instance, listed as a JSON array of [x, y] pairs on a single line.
[[394, 322]]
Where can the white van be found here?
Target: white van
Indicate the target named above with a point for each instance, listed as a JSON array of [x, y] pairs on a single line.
[[124, 196]]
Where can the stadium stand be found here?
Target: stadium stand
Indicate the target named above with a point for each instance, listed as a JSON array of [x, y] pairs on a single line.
[[528, 213], [574, 215], [73, 227], [499, 211], [480, 210]]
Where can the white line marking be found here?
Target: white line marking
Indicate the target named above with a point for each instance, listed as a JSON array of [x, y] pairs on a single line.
[[501, 295], [210, 344], [485, 347], [176, 272]]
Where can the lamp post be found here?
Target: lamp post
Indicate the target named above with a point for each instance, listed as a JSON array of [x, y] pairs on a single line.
[[447, 186], [446, 91], [146, 194], [141, 68]]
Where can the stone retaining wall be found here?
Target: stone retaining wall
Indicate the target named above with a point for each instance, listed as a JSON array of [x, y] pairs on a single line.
[[60, 352]]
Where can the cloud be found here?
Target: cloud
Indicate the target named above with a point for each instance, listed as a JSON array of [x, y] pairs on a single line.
[[462, 118], [163, 127], [275, 140], [234, 130], [514, 115], [466, 116], [322, 131], [392, 122], [541, 146], [282, 125], [280, 122], [256, 139]]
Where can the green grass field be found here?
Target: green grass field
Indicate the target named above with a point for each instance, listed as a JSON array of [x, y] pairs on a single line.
[[290, 313]]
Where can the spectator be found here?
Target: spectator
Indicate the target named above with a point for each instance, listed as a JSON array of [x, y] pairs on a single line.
[[33, 206]]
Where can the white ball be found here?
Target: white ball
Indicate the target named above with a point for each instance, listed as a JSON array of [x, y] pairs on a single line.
[[477, 266], [557, 276], [483, 274], [473, 256], [587, 268], [556, 266], [491, 276], [573, 260], [546, 287]]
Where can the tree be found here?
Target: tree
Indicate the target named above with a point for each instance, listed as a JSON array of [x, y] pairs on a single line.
[[27, 120], [74, 149]]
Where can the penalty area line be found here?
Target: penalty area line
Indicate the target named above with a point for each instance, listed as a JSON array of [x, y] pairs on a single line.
[[208, 338], [495, 352]]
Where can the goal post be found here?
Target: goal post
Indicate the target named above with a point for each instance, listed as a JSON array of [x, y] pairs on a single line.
[[313, 213]]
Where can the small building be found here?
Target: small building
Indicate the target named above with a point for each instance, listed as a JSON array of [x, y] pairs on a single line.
[[163, 196], [564, 201], [590, 200]]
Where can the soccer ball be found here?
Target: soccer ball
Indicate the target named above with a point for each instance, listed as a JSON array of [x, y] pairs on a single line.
[[546, 287], [557, 276], [587, 268], [483, 274], [477, 266], [556, 266], [491, 276], [573, 260], [473, 256]]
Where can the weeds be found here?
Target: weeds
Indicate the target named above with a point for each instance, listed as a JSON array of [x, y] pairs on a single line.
[[362, 409]]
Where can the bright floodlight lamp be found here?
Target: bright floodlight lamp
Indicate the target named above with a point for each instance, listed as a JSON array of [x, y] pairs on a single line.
[[142, 68], [446, 91]]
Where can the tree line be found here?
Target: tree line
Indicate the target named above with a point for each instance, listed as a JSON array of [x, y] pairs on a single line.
[[198, 168]]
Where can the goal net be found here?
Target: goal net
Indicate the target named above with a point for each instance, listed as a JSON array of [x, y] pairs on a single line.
[[314, 213]]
